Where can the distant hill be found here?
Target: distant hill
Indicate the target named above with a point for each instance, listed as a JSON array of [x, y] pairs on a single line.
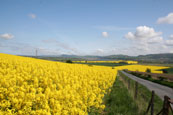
[[157, 56], [119, 57], [161, 58], [150, 58]]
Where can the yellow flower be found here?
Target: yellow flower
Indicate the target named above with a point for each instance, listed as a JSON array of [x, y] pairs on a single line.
[[40, 87]]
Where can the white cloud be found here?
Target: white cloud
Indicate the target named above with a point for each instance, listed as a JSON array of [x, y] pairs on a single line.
[[169, 42], [145, 40], [33, 16], [130, 35], [166, 20], [145, 34], [99, 50], [171, 36], [105, 34], [6, 36]]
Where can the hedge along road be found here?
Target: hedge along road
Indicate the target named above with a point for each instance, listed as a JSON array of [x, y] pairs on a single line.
[[160, 90]]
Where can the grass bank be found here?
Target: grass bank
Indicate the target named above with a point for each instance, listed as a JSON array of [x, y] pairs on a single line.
[[143, 97], [119, 102], [161, 80]]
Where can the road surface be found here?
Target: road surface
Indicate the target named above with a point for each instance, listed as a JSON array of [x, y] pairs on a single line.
[[160, 90]]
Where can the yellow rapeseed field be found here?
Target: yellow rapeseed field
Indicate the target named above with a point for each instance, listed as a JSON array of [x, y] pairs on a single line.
[[37, 87], [31, 86], [142, 68]]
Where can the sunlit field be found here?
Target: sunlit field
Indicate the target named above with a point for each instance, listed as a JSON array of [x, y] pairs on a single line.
[[143, 68], [85, 57], [33, 86]]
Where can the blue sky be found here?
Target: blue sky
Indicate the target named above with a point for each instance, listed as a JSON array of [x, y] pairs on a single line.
[[86, 27]]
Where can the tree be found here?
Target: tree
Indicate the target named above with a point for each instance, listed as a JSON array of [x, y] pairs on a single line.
[[148, 70], [69, 61], [123, 63], [164, 71]]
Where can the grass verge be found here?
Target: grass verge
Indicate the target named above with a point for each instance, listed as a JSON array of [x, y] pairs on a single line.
[[144, 95], [119, 102], [161, 82]]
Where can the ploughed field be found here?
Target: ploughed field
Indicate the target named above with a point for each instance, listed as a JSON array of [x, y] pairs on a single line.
[[40, 87]]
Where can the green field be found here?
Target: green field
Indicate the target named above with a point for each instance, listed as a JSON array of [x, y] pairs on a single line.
[[105, 64], [170, 70]]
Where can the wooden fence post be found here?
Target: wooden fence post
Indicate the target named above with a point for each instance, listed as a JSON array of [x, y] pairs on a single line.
[[151, 104], [166, 105], [136, 90]]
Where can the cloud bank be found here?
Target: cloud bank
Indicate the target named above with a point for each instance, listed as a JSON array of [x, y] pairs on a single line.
[[166, 20], [6, 36], [145, 34], [145, 40]]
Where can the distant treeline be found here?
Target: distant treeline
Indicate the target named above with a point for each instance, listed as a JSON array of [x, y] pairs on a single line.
[[166, 58]]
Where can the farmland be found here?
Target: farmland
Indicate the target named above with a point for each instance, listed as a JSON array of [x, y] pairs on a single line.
[[35, 86], [86, 57]]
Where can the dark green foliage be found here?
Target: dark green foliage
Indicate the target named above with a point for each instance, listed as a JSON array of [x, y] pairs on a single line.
[[148, 70], [168, 70], [161, 78], [123, 62], [148, 76], [69, 61], [164, 71]]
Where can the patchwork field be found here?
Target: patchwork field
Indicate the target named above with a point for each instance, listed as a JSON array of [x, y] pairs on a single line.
[[41, 87]]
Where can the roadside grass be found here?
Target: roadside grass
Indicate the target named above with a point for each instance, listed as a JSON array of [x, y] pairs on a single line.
[[144, 96], [165, 83], [162, 82], [157, 64], [119, 102]]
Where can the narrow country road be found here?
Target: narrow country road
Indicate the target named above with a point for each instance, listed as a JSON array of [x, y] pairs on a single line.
[[160, 90]]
